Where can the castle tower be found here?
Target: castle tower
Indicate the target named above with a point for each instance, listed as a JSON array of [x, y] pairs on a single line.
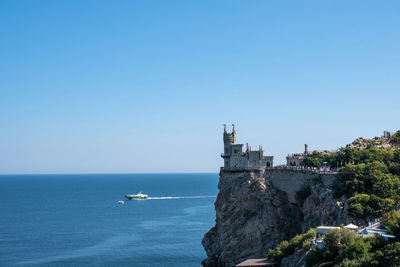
[[305, 149], [229, 139]]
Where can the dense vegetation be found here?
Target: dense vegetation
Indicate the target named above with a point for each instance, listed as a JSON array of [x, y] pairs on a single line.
[[345, 249], [372, 183], [342, 249], [353, 156]]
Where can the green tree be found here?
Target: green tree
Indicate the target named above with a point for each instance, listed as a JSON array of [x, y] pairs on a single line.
[[387, 186], [395, 139], [353, 248], [392, 222], [313, 160], [389, 255], [286, 248]]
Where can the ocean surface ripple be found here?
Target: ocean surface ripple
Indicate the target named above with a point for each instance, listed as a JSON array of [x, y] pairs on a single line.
[[74, 220]]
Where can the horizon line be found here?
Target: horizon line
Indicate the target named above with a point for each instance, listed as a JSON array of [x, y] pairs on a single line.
[[106, 173]]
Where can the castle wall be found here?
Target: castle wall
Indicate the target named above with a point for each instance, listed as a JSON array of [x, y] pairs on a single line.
[[237, 149], [247, 162], [238, 162], [269, 161], [291, 181], [253, 159], [294, 161]]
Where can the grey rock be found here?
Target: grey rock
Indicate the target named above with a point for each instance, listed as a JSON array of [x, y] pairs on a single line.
[[253, 216]]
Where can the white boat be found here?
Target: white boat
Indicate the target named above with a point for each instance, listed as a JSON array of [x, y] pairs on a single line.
[[138, 196], [121, 202]]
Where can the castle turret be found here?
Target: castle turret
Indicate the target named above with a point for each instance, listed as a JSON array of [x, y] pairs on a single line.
[[305, 149], [229, 139], [260, 151]]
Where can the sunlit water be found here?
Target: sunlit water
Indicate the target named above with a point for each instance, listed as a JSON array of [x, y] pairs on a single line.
[[74, 220]]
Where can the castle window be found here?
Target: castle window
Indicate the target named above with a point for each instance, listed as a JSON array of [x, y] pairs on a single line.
[[268, 164]]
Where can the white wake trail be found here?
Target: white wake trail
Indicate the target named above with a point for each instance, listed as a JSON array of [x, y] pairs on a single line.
[[181, 197]]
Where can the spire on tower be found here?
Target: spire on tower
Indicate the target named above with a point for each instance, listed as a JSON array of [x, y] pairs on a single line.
[[233, 133], [225, 131]]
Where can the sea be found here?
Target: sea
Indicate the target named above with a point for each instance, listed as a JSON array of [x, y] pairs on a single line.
[[75, 220]]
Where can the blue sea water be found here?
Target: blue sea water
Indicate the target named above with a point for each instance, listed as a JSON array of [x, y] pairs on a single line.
[[74, 220]]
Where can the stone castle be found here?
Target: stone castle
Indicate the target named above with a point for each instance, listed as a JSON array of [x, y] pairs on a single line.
[[237, 160]]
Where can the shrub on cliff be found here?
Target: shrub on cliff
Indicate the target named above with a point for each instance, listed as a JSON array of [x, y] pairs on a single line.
[[345, 248], [287, 247], [364, 206]]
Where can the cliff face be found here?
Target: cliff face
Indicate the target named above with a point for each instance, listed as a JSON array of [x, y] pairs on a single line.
[[253, 215]]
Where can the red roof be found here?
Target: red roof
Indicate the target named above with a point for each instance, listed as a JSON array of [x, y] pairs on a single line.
[[256, 262]]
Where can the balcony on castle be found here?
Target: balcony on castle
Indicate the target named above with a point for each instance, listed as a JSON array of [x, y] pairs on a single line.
[[226, 156], [236, 169]]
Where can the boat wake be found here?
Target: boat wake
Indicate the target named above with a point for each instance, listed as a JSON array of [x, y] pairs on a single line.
[[181, 197]]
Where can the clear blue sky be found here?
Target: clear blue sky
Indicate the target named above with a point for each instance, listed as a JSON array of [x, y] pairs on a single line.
[[145, 86]]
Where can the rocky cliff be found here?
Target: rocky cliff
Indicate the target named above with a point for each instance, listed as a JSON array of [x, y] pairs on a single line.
[[254, 213], [385, 142]]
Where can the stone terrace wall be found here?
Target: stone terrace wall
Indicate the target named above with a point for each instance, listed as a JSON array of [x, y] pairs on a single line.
[[291, 181]]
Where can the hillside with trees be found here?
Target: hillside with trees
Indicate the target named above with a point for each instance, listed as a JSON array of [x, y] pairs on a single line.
[[369, 181]]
